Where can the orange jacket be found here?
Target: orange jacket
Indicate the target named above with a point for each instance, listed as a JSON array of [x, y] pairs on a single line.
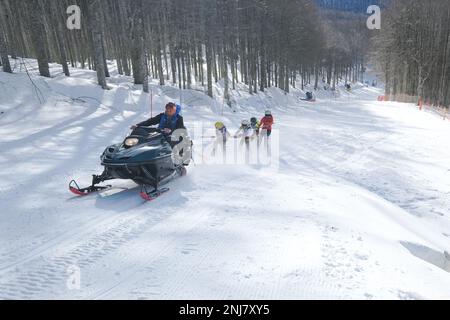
[[267, 123]]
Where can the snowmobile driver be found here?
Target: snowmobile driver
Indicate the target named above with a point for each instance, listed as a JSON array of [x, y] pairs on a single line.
[[167, 122]]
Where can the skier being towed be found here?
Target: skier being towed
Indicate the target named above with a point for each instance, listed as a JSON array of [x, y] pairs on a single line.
[[167, 122]]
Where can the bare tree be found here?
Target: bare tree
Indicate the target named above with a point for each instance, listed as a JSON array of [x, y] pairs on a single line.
[[414, 52], [261, 43], [4, 53], [98, 43], [38, 36]]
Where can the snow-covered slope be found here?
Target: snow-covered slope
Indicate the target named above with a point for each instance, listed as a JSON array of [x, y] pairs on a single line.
[[358, 208]]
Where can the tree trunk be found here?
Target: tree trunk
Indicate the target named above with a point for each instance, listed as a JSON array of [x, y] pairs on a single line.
[[159, 64], [209, 70], [61, 45], [137, 44], [98, 45], [420, 83], [226, 81], [37, 30], [4, 54]]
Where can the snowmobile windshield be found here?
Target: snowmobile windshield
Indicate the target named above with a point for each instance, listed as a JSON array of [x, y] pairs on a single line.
[[144, 131]]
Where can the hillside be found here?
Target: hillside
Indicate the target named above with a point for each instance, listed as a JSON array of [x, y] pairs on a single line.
[[356, 207]]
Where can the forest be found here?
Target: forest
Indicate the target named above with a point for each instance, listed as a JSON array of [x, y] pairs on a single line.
[[413, 51], [260, 43]]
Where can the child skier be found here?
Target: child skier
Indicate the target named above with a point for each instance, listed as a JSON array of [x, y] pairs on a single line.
[[245, 132], [255, 125], [267, 123], [222, 136], [266, 126]]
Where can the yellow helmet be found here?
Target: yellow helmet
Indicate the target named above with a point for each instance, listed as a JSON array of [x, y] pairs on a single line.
[[219, 125]]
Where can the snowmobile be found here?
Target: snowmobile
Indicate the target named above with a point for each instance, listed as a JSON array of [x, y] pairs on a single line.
[[146, 156]]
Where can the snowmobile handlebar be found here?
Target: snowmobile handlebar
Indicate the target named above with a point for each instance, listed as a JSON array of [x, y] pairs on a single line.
[[150, 129], [143, 131]]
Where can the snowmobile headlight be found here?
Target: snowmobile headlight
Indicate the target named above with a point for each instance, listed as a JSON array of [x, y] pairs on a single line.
[[131, 142]]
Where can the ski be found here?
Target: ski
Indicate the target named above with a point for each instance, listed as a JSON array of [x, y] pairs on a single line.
[[153, 195], [75, 189]]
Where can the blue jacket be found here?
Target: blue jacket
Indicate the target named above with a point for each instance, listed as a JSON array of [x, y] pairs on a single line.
[[164, 122]]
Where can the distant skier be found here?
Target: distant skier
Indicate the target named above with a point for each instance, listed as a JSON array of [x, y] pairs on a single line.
[[309, 97], [222, 136]]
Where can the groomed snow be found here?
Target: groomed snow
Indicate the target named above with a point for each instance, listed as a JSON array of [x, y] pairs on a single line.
[[358, 208]]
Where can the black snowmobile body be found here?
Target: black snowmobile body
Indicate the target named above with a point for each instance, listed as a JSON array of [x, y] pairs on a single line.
[[149, 162], [146, 157]]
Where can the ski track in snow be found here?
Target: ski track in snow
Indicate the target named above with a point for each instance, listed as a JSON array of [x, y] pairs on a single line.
[[358, 208]]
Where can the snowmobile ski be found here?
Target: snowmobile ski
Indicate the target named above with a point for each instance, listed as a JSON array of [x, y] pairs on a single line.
[[74, 188], [153, 195]]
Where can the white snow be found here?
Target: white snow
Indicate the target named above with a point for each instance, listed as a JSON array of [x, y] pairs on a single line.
[[358, 208]]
